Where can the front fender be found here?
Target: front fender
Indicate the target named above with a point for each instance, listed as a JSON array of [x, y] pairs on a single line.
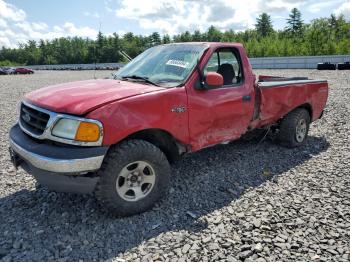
[[154, 110]]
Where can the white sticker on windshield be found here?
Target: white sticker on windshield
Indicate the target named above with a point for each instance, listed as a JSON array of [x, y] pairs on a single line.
[[178, 63]]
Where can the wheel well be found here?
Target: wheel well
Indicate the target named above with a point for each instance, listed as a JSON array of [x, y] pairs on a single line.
[[308, 108], [161, 139]]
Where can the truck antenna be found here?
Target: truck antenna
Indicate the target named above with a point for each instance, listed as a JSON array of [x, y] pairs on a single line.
[[125, 55]]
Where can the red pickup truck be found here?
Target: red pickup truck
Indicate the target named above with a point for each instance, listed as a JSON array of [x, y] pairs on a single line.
[[116, 137]]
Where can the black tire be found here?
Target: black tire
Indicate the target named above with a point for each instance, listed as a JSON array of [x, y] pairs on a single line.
[[344, 66], [120, 157], [288, 135], [326, 66]]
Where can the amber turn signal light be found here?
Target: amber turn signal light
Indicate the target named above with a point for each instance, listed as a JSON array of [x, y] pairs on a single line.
[[87, 132]]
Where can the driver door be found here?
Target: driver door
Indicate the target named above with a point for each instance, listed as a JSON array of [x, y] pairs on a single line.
[[222, 114]]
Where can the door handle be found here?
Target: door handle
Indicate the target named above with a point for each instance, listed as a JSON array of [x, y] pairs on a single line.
[[247, 98]]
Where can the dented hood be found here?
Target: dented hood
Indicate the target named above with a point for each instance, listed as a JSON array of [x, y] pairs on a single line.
[[79, 98]]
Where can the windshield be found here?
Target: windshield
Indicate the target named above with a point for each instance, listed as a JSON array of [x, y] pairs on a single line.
[[164, 65]]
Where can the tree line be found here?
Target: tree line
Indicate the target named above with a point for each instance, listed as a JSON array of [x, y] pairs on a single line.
[[322, 36]]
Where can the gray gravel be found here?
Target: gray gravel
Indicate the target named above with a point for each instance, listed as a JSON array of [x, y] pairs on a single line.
[[240, 201]]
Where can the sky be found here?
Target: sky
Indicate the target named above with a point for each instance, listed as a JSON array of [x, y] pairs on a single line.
[[22, 20]]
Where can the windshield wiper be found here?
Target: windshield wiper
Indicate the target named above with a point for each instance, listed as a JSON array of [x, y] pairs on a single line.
[[144, 78]]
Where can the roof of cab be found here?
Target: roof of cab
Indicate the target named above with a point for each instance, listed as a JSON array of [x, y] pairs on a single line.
[[211, 44]]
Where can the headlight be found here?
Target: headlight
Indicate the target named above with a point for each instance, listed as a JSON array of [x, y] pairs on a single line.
[[66, 128], [77, 130]]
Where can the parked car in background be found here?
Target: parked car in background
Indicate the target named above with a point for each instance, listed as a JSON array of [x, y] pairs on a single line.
[[2, 71], [9, 70], [22, 70]]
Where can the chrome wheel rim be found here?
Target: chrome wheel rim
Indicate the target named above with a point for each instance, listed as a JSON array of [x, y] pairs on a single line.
[[300, 131], [135, 181]]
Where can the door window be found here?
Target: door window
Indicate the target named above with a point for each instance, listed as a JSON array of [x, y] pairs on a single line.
[[227, 63]]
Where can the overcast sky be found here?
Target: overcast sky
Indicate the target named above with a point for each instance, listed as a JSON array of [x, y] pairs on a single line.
[[21, 20]]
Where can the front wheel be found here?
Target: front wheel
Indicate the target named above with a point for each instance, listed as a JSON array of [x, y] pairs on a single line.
[[134, 176], [294, 128]]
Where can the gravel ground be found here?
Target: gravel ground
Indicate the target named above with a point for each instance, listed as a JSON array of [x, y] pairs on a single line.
[[242, 201]]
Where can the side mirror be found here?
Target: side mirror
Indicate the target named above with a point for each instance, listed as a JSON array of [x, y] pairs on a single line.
[[213, 80]]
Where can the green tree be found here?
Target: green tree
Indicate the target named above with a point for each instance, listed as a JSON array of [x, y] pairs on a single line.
[[186, 37], [32, 53], [155, 39], [197, 36], [213, 34], [166, 39], [295, 23], [264, 25]]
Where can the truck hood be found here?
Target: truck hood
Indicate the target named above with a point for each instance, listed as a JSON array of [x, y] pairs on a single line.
[[81, 97]]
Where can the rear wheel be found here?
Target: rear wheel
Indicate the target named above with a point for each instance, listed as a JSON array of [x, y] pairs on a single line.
[[133, 177], [294, 128]]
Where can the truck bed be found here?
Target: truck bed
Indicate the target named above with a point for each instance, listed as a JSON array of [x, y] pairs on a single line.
[[276, 96]]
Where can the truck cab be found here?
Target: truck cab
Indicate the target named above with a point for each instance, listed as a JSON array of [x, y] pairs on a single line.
[[118, 137]]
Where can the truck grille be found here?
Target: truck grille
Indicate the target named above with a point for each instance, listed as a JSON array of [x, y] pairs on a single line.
[[33, 120]]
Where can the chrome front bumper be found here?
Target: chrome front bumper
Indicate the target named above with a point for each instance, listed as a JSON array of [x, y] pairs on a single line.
[[58, 165], [61, 168]]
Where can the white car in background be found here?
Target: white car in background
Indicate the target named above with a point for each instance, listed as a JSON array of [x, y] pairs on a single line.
[[9, 70]]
